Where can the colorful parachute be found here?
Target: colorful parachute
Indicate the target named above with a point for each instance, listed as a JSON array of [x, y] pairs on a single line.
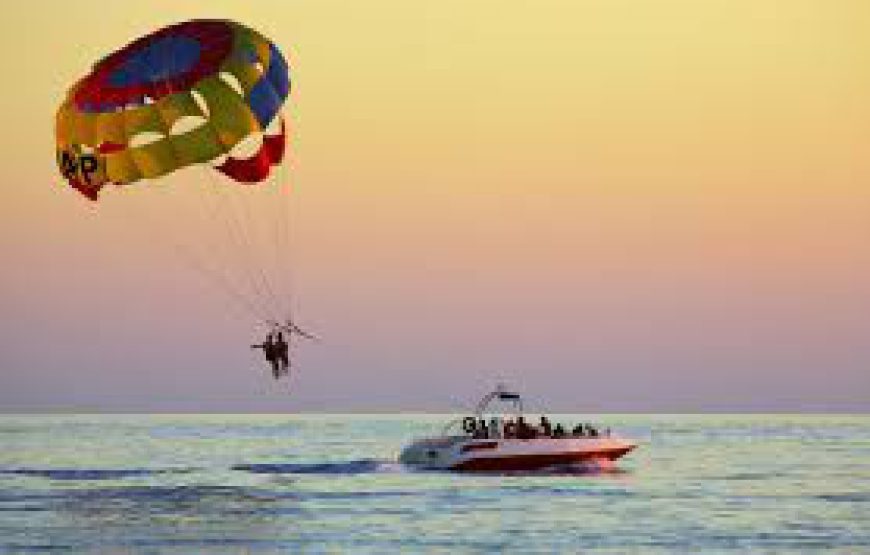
[[205, 93], [185, 94]]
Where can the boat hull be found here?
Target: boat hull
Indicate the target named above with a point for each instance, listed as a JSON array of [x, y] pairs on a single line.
[[509, 455], [515, 463]]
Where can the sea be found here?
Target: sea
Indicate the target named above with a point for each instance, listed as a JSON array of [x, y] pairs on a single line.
[[316, 483]]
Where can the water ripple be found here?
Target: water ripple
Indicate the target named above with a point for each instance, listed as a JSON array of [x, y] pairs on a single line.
[[91, 473]]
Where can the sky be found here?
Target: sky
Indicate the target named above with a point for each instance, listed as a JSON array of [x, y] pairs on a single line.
[[613, 206]]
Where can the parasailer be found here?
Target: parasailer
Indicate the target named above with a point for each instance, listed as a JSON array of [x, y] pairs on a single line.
[[276, 348], [190, 94], [271, 350]]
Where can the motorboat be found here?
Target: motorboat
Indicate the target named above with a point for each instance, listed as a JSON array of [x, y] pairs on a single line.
[[503, 441]]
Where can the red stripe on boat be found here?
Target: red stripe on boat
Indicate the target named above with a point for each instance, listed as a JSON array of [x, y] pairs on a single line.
[[532, 462]]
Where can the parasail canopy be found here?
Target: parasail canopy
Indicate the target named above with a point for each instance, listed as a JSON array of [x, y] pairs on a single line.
[[185, 94], [206, 94]]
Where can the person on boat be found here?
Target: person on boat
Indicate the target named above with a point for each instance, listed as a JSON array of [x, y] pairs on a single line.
[[546, 427], [578, 430], [524, 431], [269, 350], [510, 429], [494, 427], [558, 431]]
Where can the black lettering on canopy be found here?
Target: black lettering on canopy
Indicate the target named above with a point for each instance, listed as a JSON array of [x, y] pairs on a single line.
[[89, 165], [68, 165]]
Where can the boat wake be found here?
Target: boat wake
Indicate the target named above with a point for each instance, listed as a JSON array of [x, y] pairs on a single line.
[[360, 466], [347, 468]]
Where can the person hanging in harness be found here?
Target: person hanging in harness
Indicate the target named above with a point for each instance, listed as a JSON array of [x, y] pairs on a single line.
[[270, 350], [282, 353], [283, 346], [276, 347]]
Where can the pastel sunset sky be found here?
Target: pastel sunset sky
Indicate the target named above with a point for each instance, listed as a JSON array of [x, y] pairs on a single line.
[[612, 205]]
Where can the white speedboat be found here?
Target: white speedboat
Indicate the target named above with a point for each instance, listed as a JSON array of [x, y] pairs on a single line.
[[505, 442]]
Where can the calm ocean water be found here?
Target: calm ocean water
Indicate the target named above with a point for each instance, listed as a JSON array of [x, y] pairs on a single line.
[[318, 483]]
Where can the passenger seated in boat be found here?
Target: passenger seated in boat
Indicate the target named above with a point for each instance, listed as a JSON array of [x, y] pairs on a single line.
[[578, 430], [481, 431], [510, 429], [524, 431], [593, 432], [558, 431], [546, 427], [521, 428], [494, 428]]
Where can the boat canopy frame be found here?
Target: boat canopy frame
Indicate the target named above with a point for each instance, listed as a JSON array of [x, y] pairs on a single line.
[[500, 393]]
